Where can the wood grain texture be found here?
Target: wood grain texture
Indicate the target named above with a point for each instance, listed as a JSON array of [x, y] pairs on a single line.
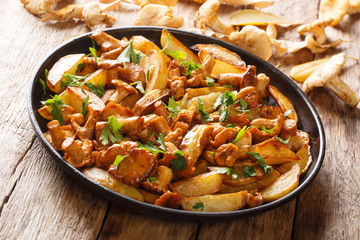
[[39, 201]]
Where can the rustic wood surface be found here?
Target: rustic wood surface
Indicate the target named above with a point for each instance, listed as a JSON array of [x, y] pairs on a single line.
[[40, 201]]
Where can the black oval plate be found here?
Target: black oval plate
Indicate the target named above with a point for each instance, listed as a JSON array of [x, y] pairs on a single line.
[[309, 121]]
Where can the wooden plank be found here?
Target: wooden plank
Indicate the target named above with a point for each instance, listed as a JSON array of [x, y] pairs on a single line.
[[329, 209], [123, 224], [47, 204]]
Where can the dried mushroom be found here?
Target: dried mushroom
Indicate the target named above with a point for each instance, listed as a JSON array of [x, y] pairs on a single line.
[[334, 9], [38, 7]]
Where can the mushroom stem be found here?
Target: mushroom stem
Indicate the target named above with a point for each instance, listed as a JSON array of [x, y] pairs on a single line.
[[343, 91]]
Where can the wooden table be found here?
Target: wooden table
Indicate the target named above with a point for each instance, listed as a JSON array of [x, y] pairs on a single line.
[[39, 201]]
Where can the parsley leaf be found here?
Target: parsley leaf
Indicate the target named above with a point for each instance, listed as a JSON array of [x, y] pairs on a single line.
[[228, 86], [118, 160], [190, 66], [161, 141], [80, 67], [149, 146], [228, 171], [243, 104], [200, 109], [179, 162], [55, 103], [240, 134], [151, 179], [173, 107], [249, 171], [283, 141], [72, 80], [287, 113], [225, 99], [199, 205], [139, 86], [230, 125], [44, 84], [84, 106], [224, 114], [114, 135], [210, 82], [97, 90], [263, 128], [129, 55], [261, 162], [174, 54], [93, 53]]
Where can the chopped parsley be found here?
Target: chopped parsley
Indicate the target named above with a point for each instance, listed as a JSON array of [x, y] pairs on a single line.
[[228, 171], [151, 179], [261, 162], [93, 53], [129, 55], [150, 146], [80, 67], [139, 86], [240, 134], [178, 163], [210, 82], [283, 141], [230, 125], [84, 106], [111, 131], [225, 100], [173, 107], [97, 90], [174, 54], [200, 109], [78, 81], [55, 102], [287, 113], [249, 171], [263, 128], [161, 141], [199, 205], [118, 160], [44, 84], [190, 66]]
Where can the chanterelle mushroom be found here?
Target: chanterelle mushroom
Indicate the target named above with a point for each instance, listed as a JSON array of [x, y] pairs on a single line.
[[207, 17], [158, 15], [38, 7], [327, 75], [317, 28]]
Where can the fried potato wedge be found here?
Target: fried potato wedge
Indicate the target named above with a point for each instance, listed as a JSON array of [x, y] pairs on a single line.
[[215, 203], [204, 184], [97, 77], [158, 72], [45, 111], [221, 66], [144, 45], [286, 183], [137, 165], [221, 53], [304, 162], [170, 43], [148, 196], [65, 65], [283, 102], [275, 152], [76, 97], [104, 178], [260, 184]]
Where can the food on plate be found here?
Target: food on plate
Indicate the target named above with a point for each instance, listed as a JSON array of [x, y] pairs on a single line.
[[174, 127], [327, 75]]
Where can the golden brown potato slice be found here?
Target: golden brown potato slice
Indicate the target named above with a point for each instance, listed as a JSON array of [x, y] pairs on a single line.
[[160, 184], [172, 44], [207, 183], [77, 96], [274, 152], [283, 102], [104, 178], [143, 45], [304, 162], [215, 203], [285, 184], [221, 53], [148, 196], [137, 165], [96, 77], [158, 72], [260, 184], [67, 64], [146, 104], [221, 66]]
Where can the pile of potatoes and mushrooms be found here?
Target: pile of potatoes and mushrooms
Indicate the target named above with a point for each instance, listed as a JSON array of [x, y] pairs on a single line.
[[174, 128]]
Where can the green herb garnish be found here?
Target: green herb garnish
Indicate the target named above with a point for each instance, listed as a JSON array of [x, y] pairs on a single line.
[[84, 106], [230, 125], [287, 113], [139, 86], [240, 134], [190, 66], [249, 171], [80, 67], [129, 55], [199, 205], [261, 162], [151, 179], [178, 163], [55, 102], [228, 171], [174, 54], [263, 128], [111, 131], [283, 141], [200, 109], [93, 53], [118, 160], [173, 107], [97, 90], [210, 82], [150, 146]]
